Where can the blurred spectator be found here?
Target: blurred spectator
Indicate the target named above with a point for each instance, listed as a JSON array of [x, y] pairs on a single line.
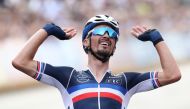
[[20, 18]]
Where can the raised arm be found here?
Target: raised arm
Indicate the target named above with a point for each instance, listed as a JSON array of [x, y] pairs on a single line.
[[170, 72], [24, 59]]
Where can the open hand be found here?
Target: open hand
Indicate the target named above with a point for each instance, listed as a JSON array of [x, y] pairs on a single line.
[[70, 32], [58, 32], [144, 33], [138, 30]]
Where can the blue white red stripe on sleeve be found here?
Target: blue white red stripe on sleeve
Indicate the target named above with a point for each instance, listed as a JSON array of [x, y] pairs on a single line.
[[154, 77], [40, 69]]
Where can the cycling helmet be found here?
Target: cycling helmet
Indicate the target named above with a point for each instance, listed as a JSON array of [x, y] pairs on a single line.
[[98, 20]]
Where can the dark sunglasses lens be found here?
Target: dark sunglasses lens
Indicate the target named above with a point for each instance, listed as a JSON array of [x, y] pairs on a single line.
[[102, 30]]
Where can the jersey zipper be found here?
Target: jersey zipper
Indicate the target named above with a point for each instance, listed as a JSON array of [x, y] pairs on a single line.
[[99, 96]]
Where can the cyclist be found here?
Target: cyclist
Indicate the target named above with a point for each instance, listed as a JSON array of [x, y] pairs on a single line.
[[97, 87]]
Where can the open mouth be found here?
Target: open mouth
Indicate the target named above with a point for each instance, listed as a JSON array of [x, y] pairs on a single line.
[[105, 42]]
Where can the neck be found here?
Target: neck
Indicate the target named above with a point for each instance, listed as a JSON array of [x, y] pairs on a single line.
[[97, 67]]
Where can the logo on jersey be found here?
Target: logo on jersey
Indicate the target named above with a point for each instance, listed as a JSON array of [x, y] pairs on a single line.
[[82, 77], [114, 79]]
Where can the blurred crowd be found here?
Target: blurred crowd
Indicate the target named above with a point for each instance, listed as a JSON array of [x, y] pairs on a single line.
[[19, 19], [23, 17]]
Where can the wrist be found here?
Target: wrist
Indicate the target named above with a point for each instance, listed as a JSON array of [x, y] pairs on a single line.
[[43, 31], [151, 35], [55, 30], [155, 37], [49, 28]]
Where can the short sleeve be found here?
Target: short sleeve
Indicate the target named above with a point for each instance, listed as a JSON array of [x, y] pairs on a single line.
[[139, 82], [52, 75]]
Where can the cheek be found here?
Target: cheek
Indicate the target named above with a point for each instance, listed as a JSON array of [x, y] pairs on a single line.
[[113, 43], [94, 42]]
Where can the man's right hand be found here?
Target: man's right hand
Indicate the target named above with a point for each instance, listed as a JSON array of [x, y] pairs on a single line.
[[56, 31]]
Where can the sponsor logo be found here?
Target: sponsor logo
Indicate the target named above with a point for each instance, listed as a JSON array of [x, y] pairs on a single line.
[[82, 77], [114, 81], [119, 75]]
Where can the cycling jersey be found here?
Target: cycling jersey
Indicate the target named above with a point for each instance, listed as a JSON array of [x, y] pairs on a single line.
[[80, 90]]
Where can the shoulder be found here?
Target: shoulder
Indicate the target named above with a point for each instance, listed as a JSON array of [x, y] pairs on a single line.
[[135, 75], [59, 68], [54, 71]]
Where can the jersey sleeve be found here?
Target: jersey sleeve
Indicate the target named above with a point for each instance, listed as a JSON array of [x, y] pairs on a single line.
[[139, 82], [54, 76]]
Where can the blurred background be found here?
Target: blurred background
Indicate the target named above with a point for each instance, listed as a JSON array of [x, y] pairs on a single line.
[[19, 19]]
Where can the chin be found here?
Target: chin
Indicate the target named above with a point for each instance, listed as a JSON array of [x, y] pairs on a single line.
[[103, 52]]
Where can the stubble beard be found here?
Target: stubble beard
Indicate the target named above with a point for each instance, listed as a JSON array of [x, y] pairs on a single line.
[[101, 53]]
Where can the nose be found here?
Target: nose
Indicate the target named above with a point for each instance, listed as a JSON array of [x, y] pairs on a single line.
[[106, 34]]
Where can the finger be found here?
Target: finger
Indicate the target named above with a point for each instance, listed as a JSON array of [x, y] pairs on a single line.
[[71, 33], [140, 29], [68, 30], [134, 33], [146, 27], [136, 30]]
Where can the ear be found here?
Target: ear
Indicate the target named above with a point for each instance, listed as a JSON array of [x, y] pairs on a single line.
[[86, 42]]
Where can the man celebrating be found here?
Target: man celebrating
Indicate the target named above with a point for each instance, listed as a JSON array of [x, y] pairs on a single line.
[[97, 87]]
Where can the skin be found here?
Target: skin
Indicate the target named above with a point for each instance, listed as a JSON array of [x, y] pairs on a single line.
[[170, 72], [97, 67], [24, 59]]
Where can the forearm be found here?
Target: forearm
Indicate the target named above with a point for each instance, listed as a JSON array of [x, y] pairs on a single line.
[[167, 61], [29, 50], [171, 72], [24, 59], [32, 45]]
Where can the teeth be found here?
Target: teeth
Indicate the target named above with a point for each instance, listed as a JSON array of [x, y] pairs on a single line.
[[104, 43]]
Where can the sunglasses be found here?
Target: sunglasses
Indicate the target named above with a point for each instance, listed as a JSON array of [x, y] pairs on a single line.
[[102, 30]]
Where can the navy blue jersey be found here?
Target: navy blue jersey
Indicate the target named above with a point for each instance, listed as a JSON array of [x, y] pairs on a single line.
[[80, 90]]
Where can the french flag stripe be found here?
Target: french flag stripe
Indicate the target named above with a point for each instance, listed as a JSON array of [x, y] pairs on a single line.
[[95, 94], [85, 96], [40, 69], [82, 86], [38, 66], [116, 87], [111, 95], [90, 90], [154, 80]]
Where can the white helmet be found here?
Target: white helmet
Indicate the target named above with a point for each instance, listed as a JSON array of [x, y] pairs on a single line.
[[97, 20]]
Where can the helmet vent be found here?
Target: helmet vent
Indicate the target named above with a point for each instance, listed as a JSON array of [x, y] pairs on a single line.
[[98, 16], [107, 16], [99, 20], [113, 23]]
